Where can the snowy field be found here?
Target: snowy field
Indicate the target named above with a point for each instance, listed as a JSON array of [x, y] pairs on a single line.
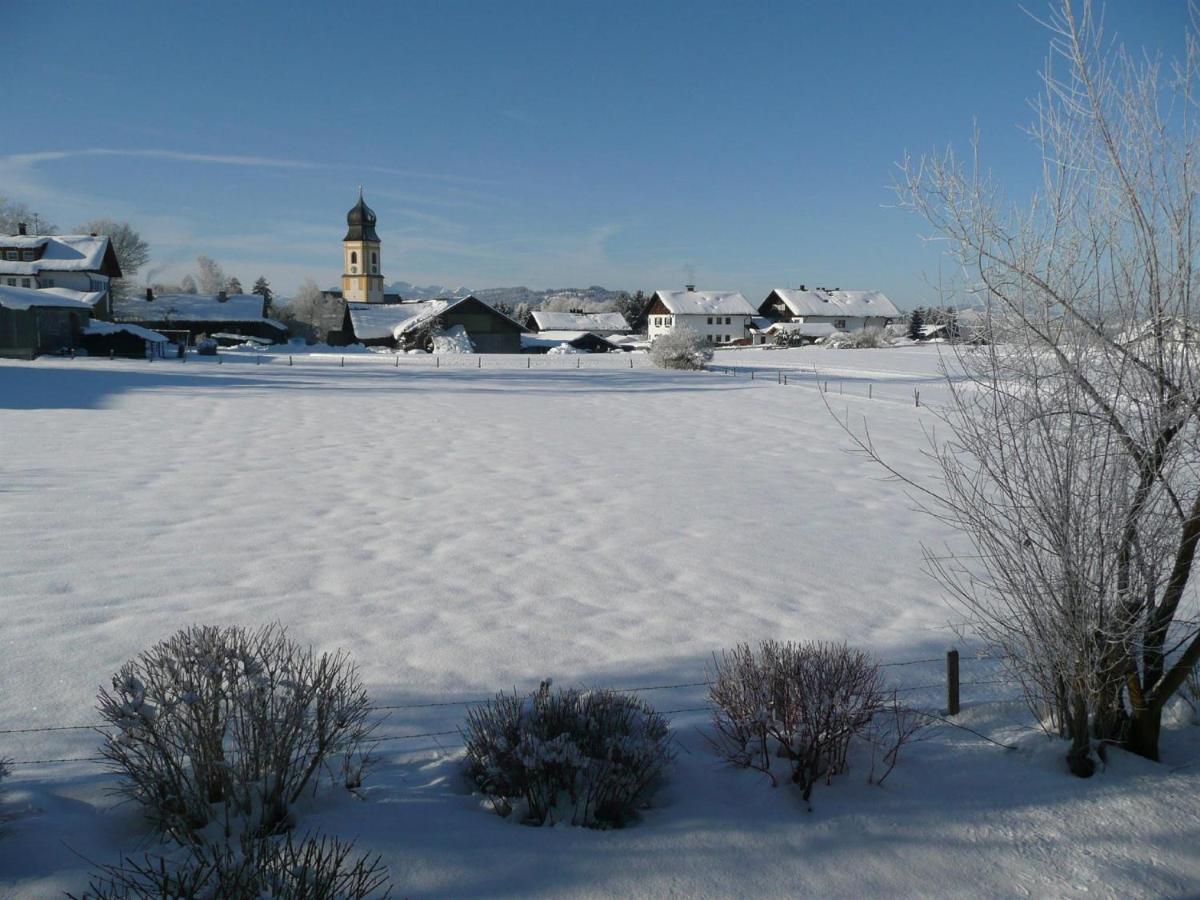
[[461, 530]]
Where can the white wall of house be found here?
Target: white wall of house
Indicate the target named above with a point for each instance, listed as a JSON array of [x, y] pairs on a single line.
[[846, 323], [718, 329]]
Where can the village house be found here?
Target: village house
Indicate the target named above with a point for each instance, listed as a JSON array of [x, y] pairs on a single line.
[[41, 321], [844, 310], [411, 325], [720, 317], [240, 315], [84, 263], [601, 324]]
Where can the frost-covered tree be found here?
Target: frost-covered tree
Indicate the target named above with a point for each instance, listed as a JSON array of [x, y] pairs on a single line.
[[212, 278], [1074, 466], [680, 348], [233, 286], [13, 214], [304, 312], [523, 314]]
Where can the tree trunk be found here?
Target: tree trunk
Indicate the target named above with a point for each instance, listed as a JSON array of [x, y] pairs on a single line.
[[1142, 736]]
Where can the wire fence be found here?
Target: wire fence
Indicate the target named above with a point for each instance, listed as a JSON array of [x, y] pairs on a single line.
[[950, 684]]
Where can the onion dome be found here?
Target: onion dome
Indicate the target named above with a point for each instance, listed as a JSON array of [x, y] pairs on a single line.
[[361, 220]]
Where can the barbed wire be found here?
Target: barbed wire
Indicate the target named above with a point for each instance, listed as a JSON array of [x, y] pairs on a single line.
[[100, 726]]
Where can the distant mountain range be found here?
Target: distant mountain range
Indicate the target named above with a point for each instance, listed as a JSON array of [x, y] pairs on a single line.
[[573, 298]]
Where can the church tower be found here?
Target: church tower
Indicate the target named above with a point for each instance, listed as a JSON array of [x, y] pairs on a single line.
[[361, 281]]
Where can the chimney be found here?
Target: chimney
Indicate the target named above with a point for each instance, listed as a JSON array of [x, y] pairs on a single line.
[[803, 288], [21, 229], [149, 295], [691, 288], [222, 296]]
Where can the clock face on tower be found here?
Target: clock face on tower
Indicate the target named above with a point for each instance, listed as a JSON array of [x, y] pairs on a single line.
[[362, 279]]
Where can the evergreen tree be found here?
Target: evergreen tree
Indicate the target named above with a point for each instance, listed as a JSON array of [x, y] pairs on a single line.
[[916, 321], [233, 286], [262, 287]]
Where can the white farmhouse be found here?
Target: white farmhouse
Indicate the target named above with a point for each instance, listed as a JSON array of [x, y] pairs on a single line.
[[720, 317], [83, 263], [844, 310]]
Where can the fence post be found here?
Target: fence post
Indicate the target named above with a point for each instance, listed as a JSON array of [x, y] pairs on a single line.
[[289, 359], [343, 362], [258, 360], [952, 682], [397, 365], [437, 362], [112, 354], [917, 397], [479, 361], [527, 362], [785, 379], [577, 362], [870, 391], [751, 374], [631, 362]]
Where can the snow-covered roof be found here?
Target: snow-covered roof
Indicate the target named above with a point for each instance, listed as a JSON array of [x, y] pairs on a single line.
[[850, 304], [192, 308], [29, 298], [59, 253], [372, 321], [699, 303], [804, 329], [568, 321], [91, 298], [554, 338], [97, 327]]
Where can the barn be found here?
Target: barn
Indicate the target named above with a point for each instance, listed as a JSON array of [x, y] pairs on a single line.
[[34, 322], [408, 325], [197, 314]]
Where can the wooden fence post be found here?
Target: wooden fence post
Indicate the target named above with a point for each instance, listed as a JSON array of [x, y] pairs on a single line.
[[343, 362], [289, 359], [479, 361], [952, 698], [870, 391], [917, 397]]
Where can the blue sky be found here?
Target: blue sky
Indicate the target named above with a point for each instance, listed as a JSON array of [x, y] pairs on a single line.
[[553, 144]]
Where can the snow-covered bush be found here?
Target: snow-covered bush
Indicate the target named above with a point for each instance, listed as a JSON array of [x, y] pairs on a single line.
[[452, 340], [563, 349], [219, 731], [800, 703], [680, 348], [316, 868], [584, 757], [865, 339]]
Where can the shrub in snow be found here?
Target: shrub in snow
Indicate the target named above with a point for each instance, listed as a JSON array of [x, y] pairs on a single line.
[[452, 340], [866, 339], [282, 869], [799, 703], [680, 348], [583, 757], [563, 349], [220, 730]]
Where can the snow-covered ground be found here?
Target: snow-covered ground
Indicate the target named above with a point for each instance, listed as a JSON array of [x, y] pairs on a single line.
[[462, 529]]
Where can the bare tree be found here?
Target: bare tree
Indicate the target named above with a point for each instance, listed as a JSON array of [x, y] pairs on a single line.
[[1074, 463], [131, 250]]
